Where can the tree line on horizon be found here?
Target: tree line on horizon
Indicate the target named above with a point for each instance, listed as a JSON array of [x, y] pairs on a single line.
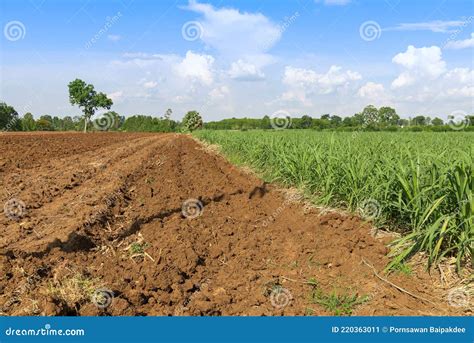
[[370, 119], [90, 101]]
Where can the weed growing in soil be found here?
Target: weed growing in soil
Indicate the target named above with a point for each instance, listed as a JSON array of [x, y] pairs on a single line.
[[73, 289], [338, 304], [403, 268], [137, 249]]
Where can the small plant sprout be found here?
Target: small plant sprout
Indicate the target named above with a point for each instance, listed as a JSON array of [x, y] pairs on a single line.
[[137, 248]]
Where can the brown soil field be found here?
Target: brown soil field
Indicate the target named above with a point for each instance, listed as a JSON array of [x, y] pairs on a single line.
[[103, 212]]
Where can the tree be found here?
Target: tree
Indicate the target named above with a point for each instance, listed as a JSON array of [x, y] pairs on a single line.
[[85, 96], [9, 120], [336, 121], [28, 122], [306, 122], [168, 114], [404, 122], [370, 115], [419, 120], [388, 116], [470, 120], [192, 121], [437, 122], [325, 116], [348, 121], [68, 124], [43, 124]]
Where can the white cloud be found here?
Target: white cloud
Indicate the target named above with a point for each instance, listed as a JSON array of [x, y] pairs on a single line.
[[426, 86], [304, 85], [326, 83], [462, 92], [219, 92], [150, 84], [461, 44], [116, 96], [418, 64], [371, 90], [114, 38], [234, 33], [461, 75], [244, 71], [440, 26], [459, 83], [196, 67]]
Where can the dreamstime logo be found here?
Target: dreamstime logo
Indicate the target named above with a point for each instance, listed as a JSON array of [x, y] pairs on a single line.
[[192, 208], [370, 30], [102, 298], [280, 120], [458, 297], [458, 120], [14, 30], [454, 34], [192, 30], [287, 21], [14, 209], [109, 22], [280, 297], [369, 209], [104, 122]]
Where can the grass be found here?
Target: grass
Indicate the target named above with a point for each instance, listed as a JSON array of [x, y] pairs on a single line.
[[73, 289], [336, 303], [419, 184], [403, 268]]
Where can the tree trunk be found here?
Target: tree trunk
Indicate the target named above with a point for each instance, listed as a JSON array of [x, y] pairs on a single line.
[[85, 124]]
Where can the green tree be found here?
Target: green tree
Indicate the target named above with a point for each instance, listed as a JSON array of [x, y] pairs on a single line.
[[44, 124], [471, 120], [419, 121], [437, 122], [28, 122], [85, 96], [348, 121], [388, 116], [336, 121], [9, 119], [325, 117], [370, 115], [404, 122], [306, 122], [192, 121], [168, 114]]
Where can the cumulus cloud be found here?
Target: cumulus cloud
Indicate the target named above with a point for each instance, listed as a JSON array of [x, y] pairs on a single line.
[[235, 33], [219, 92], [325, 83], [196, 67], [461, 44], [245, 71], [304, 85], [418, 64], [422, 66], [371, 90]]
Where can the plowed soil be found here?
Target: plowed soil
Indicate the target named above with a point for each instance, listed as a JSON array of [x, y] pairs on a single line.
[[105, 211]]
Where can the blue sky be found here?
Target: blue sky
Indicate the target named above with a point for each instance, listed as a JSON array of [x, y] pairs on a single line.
[[240, 58]]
